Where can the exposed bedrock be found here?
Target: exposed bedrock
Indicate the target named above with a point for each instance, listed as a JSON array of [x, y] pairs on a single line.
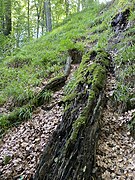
[[70, 154]]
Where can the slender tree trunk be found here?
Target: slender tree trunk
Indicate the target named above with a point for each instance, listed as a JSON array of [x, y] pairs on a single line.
[[47, 7], [18, 35], [38, 21], [1, 16], [38, 5], [78, 5], [83, 4], [7, 25], [43, 21], [67, 7], [28, 19]]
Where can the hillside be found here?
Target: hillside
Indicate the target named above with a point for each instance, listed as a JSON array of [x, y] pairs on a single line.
[[61, 91]]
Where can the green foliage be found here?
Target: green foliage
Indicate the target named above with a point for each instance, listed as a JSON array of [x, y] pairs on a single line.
[[27, 67], [24, 69], [25, 112], [125, 62], [6, 46], [7, 159], [121, 94], [93, 77], [14, 118], [45, 96]]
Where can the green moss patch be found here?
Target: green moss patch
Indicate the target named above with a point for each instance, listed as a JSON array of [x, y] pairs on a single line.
[[90, 80]]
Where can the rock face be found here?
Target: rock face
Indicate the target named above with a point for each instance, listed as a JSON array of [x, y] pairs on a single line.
[[70, 154]]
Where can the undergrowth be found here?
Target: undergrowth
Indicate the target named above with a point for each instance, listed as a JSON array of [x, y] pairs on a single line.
[[26, 68]]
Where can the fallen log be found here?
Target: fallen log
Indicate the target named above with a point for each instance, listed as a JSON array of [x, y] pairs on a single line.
[[24, 113], [70, 154]]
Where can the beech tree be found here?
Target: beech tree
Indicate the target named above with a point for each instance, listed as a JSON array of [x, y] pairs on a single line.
[[32, 18], [48, 15], [67, 7], [40, 15], [5, 17], [78, 5]]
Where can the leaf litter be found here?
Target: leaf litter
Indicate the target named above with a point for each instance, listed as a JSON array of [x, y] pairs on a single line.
[[115, 158], [22, 146]]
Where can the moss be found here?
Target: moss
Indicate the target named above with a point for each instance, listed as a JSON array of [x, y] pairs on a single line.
[[69, 97], [79, 123], [56, 77], [4, 121], [67, 107], [92, 95], [76, 127], [93, 75], [99, 75]]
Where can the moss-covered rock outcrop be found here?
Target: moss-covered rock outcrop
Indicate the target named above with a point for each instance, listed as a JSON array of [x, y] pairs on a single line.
[[71, 152]]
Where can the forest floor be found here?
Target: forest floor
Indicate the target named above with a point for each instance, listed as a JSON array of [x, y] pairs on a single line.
[[115, 157], [22, 146]]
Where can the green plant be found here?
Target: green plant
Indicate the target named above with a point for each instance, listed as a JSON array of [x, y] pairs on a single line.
[[45, 96], [7, 159], [25, 113]]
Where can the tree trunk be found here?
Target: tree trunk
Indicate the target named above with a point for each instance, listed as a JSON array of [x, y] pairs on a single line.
[[1, 16], [70, 154], [78, 5], [7, 24], [38, 5], [47, 7], [67, 7], [83, 4], [43, 20], [28, 19]]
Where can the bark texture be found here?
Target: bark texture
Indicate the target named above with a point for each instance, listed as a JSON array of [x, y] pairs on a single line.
[[7, 25], [47, 6], [70, 154]]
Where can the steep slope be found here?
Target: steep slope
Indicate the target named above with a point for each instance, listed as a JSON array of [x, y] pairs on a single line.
[[71, 152], [26, 72], [104, 37]]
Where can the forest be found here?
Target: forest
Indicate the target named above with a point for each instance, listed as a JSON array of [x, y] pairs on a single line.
[[67, 89]]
